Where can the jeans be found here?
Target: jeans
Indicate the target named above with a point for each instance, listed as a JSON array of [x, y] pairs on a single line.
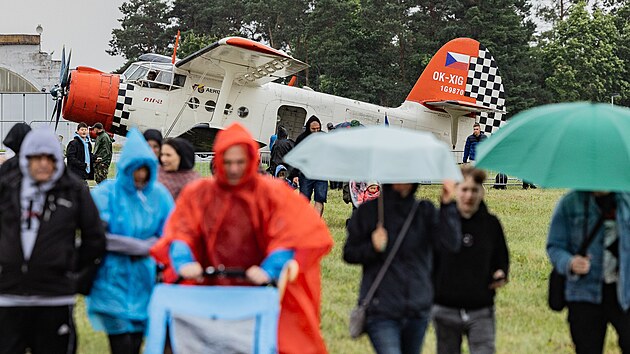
[[397, 336], [588, 323], [452, 323], [308, 186]]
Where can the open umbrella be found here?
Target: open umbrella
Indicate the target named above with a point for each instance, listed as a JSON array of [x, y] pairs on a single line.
[[582, 146], [384, 154]]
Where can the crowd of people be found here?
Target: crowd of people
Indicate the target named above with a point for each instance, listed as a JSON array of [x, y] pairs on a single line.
[[420, 263]]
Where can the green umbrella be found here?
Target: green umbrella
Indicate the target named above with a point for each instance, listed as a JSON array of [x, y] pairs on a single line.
[[584, 146]]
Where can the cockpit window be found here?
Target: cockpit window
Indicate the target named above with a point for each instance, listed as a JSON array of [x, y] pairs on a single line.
[[156, 77], [138, 74], [130, 70]]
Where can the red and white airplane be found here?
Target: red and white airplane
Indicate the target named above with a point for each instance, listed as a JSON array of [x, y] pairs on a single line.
[[460, 85]]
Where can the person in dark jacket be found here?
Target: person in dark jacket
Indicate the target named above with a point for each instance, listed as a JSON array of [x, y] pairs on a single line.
[[41, 208], [465, 282], [399, 312], [79, 154], [311, 188], [13, 141], [280, 148], [471, 142]]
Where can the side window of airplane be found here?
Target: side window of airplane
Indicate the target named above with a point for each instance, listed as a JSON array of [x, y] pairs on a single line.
[[193, 102], [209, 105], [242, 112], [179, 80]]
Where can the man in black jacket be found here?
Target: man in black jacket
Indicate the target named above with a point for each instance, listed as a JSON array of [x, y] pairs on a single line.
[[465, 282], [41, 254], [79, 154]]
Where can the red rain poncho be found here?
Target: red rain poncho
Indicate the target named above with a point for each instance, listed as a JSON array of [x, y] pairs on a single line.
[[239, 225]]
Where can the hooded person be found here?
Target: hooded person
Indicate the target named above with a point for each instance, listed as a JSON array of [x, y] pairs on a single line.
[[282, 173], [372, 191], [13, 141], [154, 138], [311, 188], [134, 207], [280, 148], [245, 220], [178, 160], [310, 129], [42, 206]]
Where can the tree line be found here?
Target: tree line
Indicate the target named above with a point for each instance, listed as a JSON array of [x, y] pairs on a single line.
[[375, 50]]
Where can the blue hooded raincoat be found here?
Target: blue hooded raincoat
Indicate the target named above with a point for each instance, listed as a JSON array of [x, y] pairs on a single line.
[[120, 294]]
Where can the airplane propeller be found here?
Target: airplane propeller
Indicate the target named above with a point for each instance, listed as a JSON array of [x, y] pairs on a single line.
[[60, 90]]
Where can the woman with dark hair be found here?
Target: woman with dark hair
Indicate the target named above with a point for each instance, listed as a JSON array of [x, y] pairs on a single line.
[[154, 138], [398, 312], [178, 159]]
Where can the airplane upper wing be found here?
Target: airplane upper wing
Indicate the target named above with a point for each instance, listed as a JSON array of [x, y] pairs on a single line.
[[252, 63]]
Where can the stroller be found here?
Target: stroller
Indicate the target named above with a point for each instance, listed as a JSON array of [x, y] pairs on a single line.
[[216, 319]]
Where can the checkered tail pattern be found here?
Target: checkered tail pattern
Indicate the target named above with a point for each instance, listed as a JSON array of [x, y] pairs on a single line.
[[485, 85]]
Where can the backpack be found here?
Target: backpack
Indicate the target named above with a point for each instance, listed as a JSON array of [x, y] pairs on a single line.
[[500, 181]]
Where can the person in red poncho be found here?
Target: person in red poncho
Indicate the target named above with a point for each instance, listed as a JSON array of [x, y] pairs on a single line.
[[243, 219]]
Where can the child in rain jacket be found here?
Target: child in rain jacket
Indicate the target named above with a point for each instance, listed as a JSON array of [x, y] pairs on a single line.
[[371, 192]]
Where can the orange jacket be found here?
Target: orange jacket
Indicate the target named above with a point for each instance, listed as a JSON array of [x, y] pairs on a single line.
[[274, 217]]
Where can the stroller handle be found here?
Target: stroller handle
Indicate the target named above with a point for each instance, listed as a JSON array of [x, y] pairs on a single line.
[[288, 274]]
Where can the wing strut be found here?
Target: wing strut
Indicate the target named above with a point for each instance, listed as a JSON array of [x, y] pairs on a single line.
[[226, 87]]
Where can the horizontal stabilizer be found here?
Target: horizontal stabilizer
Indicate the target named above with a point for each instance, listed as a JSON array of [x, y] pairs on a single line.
[[462, 106]]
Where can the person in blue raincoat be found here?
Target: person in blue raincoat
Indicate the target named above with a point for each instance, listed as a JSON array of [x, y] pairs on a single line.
[[135, 207]]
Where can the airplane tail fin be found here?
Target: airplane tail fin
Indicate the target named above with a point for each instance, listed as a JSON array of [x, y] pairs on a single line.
[[463, 74]]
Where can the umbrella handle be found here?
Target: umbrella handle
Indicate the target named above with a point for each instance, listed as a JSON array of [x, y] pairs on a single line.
[[381, 211]]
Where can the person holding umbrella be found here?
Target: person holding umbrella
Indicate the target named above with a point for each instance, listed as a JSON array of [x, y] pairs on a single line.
[[399, 311], [393, 237], [589, 236], [597, 287]]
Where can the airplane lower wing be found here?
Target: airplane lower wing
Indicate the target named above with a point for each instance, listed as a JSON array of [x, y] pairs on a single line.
[[202, 137]]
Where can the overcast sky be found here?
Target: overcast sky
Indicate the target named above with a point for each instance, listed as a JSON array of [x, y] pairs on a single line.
[[83, 25]]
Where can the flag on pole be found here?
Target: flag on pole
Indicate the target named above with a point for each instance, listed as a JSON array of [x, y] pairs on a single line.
[[175, 48]]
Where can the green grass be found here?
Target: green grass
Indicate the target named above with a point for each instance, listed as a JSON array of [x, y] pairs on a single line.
[[524, 323]]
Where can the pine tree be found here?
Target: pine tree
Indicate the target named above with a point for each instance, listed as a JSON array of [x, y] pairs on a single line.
[[145, 28]]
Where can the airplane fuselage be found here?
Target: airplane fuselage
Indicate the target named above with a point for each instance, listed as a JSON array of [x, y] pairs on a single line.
[[260, 109]]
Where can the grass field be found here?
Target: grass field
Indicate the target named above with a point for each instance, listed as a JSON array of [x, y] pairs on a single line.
[[525, 325]]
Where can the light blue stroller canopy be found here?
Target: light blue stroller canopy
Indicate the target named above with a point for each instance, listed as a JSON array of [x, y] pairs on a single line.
[[213, 319]]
